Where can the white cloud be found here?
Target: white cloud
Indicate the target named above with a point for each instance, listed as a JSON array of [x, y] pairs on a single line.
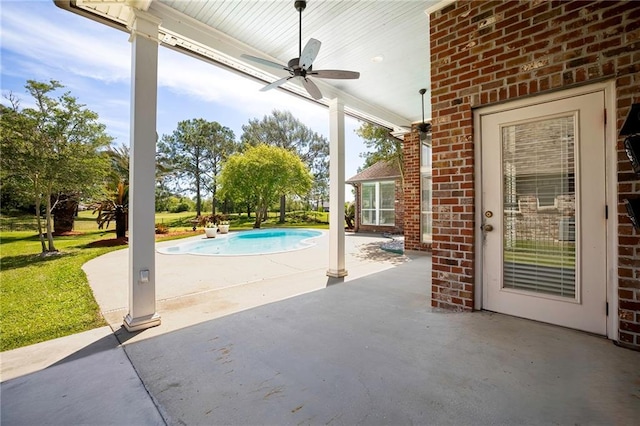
[[44, 42], [70, 44], [195, 78], [84, 49]]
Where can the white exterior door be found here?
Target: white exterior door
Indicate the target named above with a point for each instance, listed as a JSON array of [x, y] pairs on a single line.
[[543, 212]]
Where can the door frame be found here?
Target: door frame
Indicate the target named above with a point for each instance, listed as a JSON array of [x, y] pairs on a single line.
[[609, 89]]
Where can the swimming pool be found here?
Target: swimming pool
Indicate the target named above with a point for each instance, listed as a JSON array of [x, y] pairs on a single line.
[[262, 241]]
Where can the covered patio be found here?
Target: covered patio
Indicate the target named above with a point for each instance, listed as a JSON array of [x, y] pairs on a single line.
[[389, 49], [368, 351], [372, 351]]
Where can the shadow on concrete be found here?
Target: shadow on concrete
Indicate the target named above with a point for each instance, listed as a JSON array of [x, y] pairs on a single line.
[[95, 385], [104, 344], [373, 252], [372, 351]]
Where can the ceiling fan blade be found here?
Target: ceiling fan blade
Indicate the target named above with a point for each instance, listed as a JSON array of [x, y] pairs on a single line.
[[275, 84], [312, 88], [265, 62], [335, 74], [309, 53]]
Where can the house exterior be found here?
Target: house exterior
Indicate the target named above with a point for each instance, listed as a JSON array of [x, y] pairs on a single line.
[[379, 198], [529, 174], [554, 246]]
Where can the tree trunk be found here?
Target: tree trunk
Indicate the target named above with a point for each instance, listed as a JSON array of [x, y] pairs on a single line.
[[64, 213], [258, 221], [121, 222], [198, 195], [213, 199], [51, 247], [198, 202], [283, 206], [248, 211], [39, 217]]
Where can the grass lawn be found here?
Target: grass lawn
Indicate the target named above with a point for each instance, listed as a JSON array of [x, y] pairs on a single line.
[[45, 298]]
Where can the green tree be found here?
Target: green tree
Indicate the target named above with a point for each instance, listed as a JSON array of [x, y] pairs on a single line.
[[383, 146], [283, 130], [262, 174], [114, 203], [114, 208], [194, 153], [119, 157], [55, 146]]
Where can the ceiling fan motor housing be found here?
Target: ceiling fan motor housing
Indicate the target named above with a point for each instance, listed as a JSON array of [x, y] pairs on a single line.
[[296, 69]]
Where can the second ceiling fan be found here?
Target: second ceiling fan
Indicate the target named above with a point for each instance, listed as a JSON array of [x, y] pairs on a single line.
[[302, 65]]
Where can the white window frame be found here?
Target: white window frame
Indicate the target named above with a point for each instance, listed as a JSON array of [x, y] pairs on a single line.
[[376, 203], [426, 216]]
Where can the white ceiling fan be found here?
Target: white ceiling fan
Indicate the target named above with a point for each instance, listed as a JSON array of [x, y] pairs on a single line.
[[301, 66]]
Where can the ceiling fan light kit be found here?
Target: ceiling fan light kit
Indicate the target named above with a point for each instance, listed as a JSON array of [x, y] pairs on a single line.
[[302, 66]]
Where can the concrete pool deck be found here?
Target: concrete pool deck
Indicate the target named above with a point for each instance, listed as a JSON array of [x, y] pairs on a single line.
[[194, 288], [191, 289]]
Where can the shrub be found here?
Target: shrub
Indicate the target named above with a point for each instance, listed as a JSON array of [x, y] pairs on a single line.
[[161, 228], [182, 206]]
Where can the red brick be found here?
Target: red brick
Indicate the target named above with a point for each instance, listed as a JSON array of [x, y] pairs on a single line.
[[526, 34]]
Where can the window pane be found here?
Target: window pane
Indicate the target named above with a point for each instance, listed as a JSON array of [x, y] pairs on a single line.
[[387, 195], [368, 195], [426, 194], [368, 217], [387, 217], [539, 207], [426, 209], [425, 153], [426, 226]]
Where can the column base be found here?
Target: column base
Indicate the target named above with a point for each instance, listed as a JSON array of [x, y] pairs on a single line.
[[141, 323], [337, 273]]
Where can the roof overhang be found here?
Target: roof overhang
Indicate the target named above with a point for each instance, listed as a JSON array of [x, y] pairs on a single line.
[[193, 36]]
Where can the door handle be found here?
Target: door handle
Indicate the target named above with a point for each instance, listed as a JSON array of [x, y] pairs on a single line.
[[487, 228]]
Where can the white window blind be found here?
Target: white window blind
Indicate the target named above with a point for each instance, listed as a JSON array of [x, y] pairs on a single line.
[[539, 207]]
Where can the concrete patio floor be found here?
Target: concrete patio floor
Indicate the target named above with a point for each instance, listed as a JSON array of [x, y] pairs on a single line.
[[367, 351]]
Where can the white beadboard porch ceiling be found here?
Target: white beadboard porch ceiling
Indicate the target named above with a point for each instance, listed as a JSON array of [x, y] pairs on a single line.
[[352, 32]]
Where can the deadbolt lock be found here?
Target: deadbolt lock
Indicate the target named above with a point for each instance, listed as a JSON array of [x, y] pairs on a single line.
[[488, 213]]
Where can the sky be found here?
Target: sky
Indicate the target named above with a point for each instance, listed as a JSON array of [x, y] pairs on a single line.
[[39, 41]]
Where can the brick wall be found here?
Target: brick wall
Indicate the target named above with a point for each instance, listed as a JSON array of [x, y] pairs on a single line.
[[484, 52], [412, 232]]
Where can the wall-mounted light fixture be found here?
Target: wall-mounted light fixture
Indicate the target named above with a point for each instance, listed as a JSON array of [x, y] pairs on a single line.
[[633, 210], [423, 127], [631, 129]]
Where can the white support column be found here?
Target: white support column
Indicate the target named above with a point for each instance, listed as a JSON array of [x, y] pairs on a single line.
[[336, 190], [144, 92]]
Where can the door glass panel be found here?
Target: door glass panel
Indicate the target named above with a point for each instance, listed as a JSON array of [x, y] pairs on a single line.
[[538, 164], [426, 209]]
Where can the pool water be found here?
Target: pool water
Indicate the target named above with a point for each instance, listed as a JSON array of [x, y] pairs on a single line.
[[262, 241]]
